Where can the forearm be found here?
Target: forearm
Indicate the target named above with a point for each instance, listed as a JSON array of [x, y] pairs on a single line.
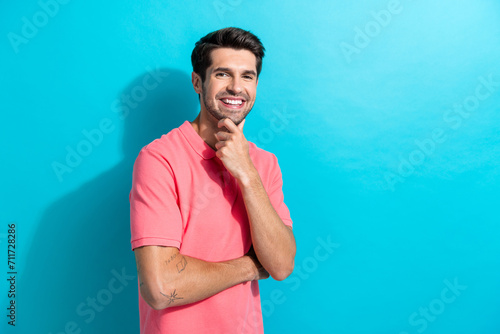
[[184, 280], [273, 241]]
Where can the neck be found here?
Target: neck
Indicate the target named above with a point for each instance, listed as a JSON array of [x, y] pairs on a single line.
[[206, 128]]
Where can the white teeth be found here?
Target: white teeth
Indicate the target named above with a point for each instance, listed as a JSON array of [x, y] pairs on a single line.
[[235, 102]]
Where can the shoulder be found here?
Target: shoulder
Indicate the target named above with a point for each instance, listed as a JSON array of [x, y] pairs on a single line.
[[167, 143], [167, 147], [161, 152]]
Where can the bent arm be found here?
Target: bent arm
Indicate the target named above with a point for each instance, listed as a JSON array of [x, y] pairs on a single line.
[[168, 278], [273, 241]]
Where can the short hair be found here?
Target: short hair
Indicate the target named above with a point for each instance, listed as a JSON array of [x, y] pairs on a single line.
[[234, 38]]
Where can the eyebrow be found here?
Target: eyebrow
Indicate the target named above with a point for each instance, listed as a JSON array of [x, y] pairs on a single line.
[[227, 69]]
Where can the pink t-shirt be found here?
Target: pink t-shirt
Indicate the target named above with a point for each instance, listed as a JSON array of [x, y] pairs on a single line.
[[182, 196]]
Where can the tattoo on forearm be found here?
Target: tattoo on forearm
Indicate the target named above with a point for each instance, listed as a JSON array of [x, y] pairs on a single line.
[[181, 265], [172, 298], [170, 259]]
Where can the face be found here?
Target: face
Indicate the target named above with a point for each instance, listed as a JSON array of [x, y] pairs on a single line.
[[230, 85]]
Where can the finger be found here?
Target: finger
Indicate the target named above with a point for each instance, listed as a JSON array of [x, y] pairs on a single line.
[[229, 124], [218, 145], [221, 135], [242, 124]]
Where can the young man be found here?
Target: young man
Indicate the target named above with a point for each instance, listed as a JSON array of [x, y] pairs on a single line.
[[207, 213]]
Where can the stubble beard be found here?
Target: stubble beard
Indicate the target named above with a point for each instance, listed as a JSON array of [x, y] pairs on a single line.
[[213, 109]]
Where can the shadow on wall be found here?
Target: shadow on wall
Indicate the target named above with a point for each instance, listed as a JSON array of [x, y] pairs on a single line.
[[80, 271]]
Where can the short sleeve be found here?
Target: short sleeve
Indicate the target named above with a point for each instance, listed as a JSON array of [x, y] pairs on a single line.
[[275, 193], [155, 217]]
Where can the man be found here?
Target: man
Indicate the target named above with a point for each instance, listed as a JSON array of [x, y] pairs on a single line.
[[207, 213]]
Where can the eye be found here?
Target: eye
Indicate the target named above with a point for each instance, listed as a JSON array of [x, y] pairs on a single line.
[[248, 77], [221, 74]]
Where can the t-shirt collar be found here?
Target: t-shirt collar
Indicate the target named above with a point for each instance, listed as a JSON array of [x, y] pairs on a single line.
[[196, 142]]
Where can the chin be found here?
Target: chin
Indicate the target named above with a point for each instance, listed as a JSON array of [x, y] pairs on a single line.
[[236, 118], [236, 121]]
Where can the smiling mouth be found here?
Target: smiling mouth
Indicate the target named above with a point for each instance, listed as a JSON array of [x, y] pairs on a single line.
[[233, 103]]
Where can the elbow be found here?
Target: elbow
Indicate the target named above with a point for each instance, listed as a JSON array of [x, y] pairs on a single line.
[[280, 276], [156, 304], [154, 298], [283, 273]]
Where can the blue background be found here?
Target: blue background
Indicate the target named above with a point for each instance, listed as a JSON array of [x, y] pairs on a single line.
[[359, 100]]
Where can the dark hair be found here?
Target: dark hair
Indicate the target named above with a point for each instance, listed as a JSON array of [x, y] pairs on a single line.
[[234, 38]]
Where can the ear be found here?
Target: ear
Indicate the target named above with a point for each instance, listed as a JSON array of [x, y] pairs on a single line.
[[196, 80]]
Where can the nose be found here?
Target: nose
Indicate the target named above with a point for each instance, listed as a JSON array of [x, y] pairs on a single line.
[[234, 86]]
